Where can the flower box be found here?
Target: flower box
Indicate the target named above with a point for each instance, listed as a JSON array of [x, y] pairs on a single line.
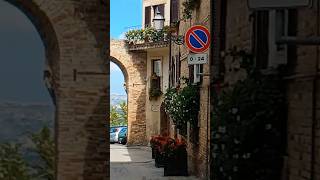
[[176, 159]]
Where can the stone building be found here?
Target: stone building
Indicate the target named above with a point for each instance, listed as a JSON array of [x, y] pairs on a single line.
[[145, 66], [235, 25], [76, 41], [198, 138]]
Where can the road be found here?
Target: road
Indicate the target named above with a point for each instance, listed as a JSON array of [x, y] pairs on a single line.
[[135, 163]]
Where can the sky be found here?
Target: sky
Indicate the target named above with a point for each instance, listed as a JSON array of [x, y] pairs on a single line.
[[22, 54], [22, 58], [124, 14]]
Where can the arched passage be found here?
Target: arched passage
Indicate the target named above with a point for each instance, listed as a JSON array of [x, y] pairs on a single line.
[[134, 68], [75, 36]]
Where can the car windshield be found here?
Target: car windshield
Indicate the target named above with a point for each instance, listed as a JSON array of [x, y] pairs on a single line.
[[123, 131], [113, 130]]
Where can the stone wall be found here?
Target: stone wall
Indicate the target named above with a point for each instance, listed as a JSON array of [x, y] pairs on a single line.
[[75, 35], [198, 154], [134, 67], [153, 116], [302, 161]]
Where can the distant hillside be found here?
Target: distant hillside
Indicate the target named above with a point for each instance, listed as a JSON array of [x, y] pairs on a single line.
[[19, 120], [115, 99]]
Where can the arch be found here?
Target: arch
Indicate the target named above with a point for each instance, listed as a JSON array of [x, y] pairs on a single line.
[[134, 68], [74, 35], [121, 66]]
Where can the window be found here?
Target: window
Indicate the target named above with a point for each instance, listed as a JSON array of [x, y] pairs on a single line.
[[147, 16], [174, 10], [195, 72], [157, 67], [160, 8], [269, 54]]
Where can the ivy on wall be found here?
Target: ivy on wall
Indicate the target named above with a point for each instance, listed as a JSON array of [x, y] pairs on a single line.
[[248, 126]]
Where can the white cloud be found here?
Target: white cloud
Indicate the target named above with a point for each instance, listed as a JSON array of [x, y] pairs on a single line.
[[122, 36], [114, 67]]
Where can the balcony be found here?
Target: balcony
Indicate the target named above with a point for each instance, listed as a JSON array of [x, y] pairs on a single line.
[[148, 38]]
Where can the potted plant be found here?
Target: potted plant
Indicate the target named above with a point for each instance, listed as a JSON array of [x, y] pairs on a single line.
[[176, 158]]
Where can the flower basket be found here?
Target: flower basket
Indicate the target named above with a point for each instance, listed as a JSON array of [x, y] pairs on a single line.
[[160, 159], [176, 158], [177, 165], [157, 143]]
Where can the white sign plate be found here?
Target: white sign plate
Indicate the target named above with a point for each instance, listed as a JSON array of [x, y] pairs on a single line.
[[274, 4], [197, 59]]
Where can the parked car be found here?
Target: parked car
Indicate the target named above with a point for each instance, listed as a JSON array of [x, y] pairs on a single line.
[[122, 136], [114, 132]]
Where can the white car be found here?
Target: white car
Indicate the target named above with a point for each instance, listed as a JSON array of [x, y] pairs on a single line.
[[114, 132]]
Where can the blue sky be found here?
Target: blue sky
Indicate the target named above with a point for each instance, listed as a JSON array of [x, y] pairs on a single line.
[[123, 15]]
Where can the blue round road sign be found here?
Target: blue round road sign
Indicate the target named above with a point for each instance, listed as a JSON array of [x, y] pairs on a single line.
[[197, 39]]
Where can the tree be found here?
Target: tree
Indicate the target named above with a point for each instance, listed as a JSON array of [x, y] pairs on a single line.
[[119, 116], [124, 110], [12, 164], [114, 116], [45, 147]]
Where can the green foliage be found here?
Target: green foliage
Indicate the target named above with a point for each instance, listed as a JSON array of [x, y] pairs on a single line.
[[148, 34], [45, 147], [133, 36], [12, 165], [118, 117], [124, 110], [189, 6], [183, 106], [248, 127]]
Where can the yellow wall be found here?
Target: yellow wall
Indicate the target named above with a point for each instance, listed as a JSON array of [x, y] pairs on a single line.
[[153, 106]]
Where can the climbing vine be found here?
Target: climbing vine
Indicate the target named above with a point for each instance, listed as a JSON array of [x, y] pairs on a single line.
[[188, 7], [248, 126]]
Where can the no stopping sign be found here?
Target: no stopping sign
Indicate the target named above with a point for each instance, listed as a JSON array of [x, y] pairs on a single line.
[[197, 39]]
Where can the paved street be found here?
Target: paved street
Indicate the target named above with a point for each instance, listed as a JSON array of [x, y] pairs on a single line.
[[135, 163]]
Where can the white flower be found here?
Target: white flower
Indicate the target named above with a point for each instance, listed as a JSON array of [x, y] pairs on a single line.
[[236, 141], [222, 146], [235, 156], [222, 129], [221, 169], [268, 126], [234, 110], [238, 118], [235, 168]]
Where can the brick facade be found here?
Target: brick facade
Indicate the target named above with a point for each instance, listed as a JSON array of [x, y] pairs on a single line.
[[134, 68], [76, 42], [198, 153], [302, 160]]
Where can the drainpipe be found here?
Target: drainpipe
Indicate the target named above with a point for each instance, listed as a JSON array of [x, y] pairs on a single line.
[[314, 103]]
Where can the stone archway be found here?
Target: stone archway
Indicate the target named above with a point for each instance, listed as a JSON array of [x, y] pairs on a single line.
[[75, 37], [134, 67]]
